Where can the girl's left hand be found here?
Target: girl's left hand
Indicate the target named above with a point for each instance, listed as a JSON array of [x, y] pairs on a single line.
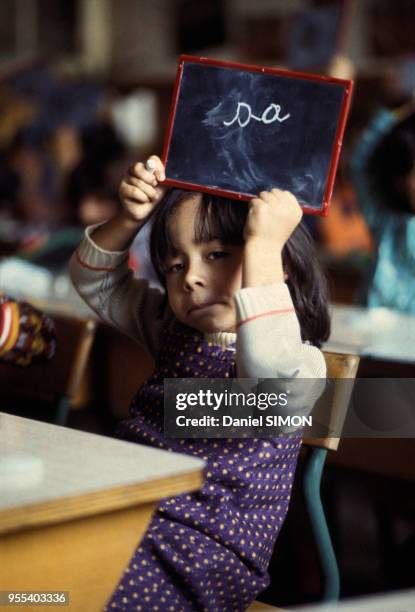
[[272, 218]]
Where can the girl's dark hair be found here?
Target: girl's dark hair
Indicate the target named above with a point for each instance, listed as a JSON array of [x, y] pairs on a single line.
[[392, 161], [224, 219]]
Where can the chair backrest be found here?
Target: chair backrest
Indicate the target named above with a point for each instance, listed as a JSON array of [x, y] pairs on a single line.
[[340, 367], [58, 377]]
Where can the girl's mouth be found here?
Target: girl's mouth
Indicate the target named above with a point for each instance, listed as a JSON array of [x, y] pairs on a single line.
[[201, 308]]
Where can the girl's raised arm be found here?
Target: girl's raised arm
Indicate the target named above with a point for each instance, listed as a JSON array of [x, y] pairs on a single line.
[[269, 343], [99, 267]]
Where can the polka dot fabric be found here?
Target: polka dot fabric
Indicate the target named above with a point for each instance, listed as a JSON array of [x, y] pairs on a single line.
[[209, 550]]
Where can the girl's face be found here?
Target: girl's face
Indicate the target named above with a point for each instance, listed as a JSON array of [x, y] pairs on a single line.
[[201, 278]]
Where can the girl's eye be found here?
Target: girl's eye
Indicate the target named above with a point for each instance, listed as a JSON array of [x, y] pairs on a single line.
[[174, 268], [217, 255]]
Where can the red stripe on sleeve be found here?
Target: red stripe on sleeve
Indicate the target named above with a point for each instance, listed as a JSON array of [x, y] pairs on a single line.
[[89, 267], [265, 314]]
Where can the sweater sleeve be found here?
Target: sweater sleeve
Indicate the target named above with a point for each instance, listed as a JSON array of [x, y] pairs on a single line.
[[269, 345], [382, 123], [104, 280], [269, 341]]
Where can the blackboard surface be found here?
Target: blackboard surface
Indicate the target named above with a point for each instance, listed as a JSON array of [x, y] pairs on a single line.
[[239, 130]]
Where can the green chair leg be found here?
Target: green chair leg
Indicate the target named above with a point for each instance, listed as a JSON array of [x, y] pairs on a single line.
[[312, 480], [62, 410]]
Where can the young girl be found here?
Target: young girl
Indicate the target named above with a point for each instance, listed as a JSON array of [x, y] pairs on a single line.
[[226, 311]]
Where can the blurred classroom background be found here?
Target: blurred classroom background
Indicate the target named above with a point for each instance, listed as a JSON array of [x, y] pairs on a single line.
[[85, 89]]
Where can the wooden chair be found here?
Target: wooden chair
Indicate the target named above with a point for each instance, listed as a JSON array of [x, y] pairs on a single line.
[[340, 367], [56, 381]]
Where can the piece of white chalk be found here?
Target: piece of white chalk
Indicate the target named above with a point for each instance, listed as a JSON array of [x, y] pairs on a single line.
[[150, 165]]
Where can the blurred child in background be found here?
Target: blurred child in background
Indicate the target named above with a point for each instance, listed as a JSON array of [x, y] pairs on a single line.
[[383, 173]]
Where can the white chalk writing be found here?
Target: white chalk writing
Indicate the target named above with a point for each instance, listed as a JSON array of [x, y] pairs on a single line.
[[270, 114]]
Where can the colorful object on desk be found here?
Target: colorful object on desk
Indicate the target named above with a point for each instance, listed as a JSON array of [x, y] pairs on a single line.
[[55, 383], [25, 332]]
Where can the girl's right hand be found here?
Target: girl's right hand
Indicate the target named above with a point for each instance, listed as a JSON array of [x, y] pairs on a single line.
[[272, 218], [140, 190]]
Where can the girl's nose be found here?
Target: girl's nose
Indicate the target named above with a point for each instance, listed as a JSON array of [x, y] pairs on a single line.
[[193, 278]]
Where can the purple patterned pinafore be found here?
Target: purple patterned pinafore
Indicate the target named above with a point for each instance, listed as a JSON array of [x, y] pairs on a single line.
[[208, 550]]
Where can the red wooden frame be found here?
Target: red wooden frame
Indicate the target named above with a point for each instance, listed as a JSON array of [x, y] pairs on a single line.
[[347, 95]]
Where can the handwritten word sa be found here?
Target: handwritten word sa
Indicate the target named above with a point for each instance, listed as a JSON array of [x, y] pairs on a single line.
[[270, 114]]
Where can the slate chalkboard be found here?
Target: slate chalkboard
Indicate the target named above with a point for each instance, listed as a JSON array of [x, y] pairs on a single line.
[[236, 130]]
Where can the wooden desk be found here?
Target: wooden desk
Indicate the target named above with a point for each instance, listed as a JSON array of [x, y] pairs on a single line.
[[76, 526]]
